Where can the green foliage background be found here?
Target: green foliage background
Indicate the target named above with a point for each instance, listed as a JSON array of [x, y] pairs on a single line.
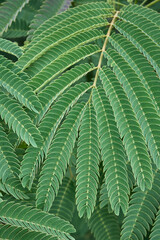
[[79, 119]]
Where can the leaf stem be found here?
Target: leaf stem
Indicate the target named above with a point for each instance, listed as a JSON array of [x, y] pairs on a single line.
[[104, 48], [143, 2], [154, 2]]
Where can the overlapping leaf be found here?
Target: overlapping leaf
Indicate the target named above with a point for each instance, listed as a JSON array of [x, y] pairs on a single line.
[[129, 129], [87, 164], [58, 158], [15, 117], [113, 154], [9, 11], [15, 214]]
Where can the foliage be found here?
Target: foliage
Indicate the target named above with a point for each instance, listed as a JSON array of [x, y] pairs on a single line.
[[79, 120]]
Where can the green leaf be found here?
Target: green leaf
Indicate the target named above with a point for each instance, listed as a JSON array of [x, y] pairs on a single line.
[[129, 129], [64, 204], [46, 75], [48, 9], [62, 83], [48, 129], [66, 18], [18, 233], [142, 42], [10, 47], [12, 186], [104, 225], [140, 65], [8, 160], [18, 29], [113, 154], [15, 117], [87, 168], [155, 234], [8, 13], [15, 214], [19, 89], [142, 210], [58, 158]]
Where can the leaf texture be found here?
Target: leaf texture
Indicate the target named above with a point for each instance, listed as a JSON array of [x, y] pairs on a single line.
[[140, 65], [59, 85], [64, 204], [57, 37], [155, 234], [35, 220], [48, 9], [142, 42], [10, 47], [141, 212], [19, 89], [129, 129], [47, 129], [12, 186], [104, 225], [18, 233], [58, 158], [142, 104], [113, 154], [68, 46], [18, 29], [148, 13], [66, 18], [56, 67], [8, 13], [15, 117], [87, 168], [8, 160]]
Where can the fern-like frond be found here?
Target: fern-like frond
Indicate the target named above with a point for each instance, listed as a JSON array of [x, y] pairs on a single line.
[[48, 9], [10, 47], [155, 234], [47, 129], [141, 41], [57, 53], [18, 233], [66, 18], [18, 29], [141, 102], [148, 13], [87, 164], [81, 22], [142, 23], [140, 65], [104, 225], [129, 129], [58, 158], [15, 214], [13, 186], [63, 62], [15, 117], [113, 154], [103, 199], [11, 66], [142, 210], [64, 204], [19, 89], [8, 160], [52, 92], [8, 13]]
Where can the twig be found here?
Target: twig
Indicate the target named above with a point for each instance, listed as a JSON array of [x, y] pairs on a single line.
[[154, 2]]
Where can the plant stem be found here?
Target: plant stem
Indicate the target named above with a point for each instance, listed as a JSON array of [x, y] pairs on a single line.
[[154, 2], [143, 2], [121, 4], [104, 48]]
